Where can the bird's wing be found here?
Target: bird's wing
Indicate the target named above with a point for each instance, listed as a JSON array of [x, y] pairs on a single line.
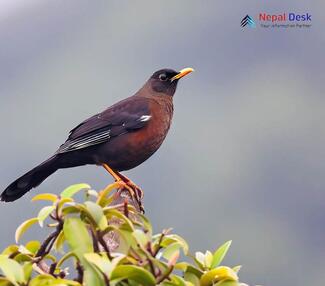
[[125, 116]]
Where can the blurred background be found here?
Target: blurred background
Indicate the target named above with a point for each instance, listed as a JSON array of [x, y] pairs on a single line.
[[245, 157]]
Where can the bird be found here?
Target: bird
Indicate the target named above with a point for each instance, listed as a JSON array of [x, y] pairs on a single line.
[[120, 138]]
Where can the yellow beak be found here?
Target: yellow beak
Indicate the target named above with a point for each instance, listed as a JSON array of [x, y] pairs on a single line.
[[182, 73]]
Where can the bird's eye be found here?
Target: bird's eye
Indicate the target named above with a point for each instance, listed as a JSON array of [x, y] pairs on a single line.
[[163, 77]]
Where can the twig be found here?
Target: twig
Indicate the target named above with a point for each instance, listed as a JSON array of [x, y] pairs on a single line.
[[154, 254], [152, 267], [103, 243], [126, 210], [165, 275], [106, 279], [80, 272], [48, 243], [52, 268], [95, 240]]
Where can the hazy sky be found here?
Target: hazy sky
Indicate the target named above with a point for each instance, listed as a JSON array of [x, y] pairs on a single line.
[[244, 159]]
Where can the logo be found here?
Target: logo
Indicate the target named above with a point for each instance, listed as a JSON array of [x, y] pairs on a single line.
[[283, 17], [248, 21], [278, 20]]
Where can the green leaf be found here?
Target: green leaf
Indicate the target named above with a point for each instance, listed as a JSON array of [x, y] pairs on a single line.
[[102, 262], [28, 269], [33, 246], [191, 277], [12, 270], [236, 268], [50, 257], [24, 250], [218, 274], [42, 280], [72, 190], [126, 239], [200, 257], [48, 280], [79, 241], [10, 249], [170, 250], [174, 281], [134, 273], [78, 208], [58, 244], [92, 193], [5, 282], [171, 238], [141, 237], [208, 257], [44, 213], [45, 197], [102, 197], [111, 213], [77, 236], [97, 213], [186, 267], [220, 254], [147, 225], [173, 258], [70, 209], [23, 227], [65, 257], [20, 258], [62, 202], [229, 283]]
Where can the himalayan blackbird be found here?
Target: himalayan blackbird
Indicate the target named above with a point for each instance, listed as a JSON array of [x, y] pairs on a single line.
[[119, 138]]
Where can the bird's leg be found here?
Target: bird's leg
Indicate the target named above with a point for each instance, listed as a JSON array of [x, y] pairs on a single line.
[[113, 173], [136, 188], [131, 184], [134, 191]]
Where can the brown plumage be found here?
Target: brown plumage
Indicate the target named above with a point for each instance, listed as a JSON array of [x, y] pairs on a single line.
[[119, 138]]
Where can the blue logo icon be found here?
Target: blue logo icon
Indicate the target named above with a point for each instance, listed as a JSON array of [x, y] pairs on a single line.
[[248, 21]]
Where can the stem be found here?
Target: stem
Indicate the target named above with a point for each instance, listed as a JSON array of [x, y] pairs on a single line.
[[52, 268], [106, 279], [48, 243], [126, 210], [154, 254], [152, 267], [80, 272], [103, 243], [165, 275], [95, 240]]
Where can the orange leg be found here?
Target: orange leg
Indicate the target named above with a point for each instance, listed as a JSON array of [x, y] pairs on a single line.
[[134, 191], [113, 173], [130, 183]]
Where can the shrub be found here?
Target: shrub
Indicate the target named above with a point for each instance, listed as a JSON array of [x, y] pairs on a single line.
[[104, 240]]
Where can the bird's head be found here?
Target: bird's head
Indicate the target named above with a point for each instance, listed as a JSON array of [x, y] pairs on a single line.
[[165, 80]]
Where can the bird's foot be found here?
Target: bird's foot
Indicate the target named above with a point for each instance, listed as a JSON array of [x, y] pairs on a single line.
[[135, 187], [134, 191]]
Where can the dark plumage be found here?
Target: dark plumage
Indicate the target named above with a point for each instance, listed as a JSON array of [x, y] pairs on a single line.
[[119, 138]]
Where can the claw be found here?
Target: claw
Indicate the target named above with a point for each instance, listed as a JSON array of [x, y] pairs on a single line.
[[125, 183], [134, 191]]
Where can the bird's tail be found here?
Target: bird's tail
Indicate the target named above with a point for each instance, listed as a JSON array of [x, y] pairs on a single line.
[[30, 180]]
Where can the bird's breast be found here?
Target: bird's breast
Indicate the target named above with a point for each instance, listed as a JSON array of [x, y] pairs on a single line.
[[131, 149], [147, 140]]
